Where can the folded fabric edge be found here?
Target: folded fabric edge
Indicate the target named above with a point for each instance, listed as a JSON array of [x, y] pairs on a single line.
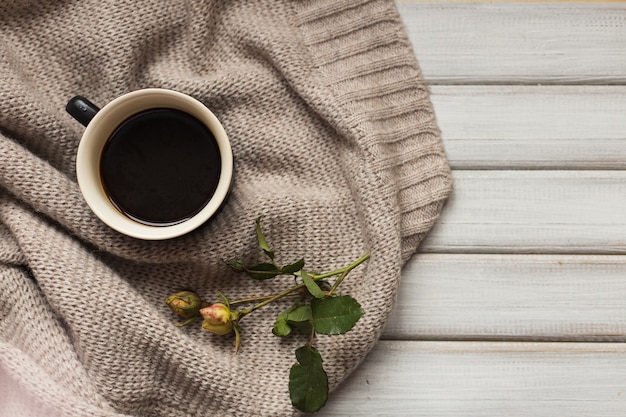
[[364, 56]]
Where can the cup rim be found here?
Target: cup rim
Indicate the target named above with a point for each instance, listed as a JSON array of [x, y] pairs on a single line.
[[99, 129]]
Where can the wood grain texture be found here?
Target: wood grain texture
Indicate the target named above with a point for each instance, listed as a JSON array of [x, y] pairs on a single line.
[[514, 297], [533, 212], [526, 266], [532, 127], [511, 43], [486, 379]]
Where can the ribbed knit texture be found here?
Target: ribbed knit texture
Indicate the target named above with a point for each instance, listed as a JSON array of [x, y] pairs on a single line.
[[335, 143]]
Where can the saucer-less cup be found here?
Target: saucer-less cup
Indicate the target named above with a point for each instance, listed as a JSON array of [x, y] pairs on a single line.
[[152, 164]]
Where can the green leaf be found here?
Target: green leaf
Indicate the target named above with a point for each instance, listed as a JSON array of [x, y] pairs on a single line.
[[311, 285], [300, 314], [300, 319], [292, 268], [281, 327], [263, 271], [303, 327], [236, 265], [335, 315], [324, 285], [262, 242], [308, 382], [296, 316]]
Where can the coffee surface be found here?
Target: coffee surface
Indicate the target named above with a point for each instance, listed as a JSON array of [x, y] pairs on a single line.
[[160, 167]]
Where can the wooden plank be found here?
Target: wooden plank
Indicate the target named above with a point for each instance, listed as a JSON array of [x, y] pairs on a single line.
[[520, 1], [533, 212], [514, 297], [486, 379], [545, 127], [486, 43]]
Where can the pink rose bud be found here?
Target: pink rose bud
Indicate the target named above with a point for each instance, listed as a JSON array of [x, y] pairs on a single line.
[[217, 319]]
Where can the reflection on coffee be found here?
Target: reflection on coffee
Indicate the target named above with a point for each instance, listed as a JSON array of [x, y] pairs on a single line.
[[160, 167]]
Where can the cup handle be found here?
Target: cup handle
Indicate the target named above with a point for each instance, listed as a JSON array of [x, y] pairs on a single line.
[[81, 109]]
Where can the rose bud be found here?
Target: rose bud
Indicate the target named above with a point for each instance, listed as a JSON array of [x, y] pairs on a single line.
[[184, 303], [217, 319]]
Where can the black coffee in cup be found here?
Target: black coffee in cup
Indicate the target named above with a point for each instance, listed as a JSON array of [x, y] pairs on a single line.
[[160, 166], [152, 163]]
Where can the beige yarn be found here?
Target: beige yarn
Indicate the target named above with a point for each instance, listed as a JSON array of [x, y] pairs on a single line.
[[335, 142]]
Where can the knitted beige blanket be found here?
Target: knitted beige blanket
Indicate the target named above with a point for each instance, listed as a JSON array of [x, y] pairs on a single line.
[[335, 143]]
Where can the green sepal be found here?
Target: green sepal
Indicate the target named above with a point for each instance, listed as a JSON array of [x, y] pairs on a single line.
[[225, 299], [261, 238], [186, 322], [237, 330]]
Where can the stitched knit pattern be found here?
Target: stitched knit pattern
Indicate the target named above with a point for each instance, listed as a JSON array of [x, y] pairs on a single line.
[[335, 143]]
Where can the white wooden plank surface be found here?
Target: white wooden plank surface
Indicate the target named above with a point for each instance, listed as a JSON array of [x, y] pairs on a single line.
[[486, 379], [487, 43], [519, 254], [547, 127], [533, 212], [538, 297]]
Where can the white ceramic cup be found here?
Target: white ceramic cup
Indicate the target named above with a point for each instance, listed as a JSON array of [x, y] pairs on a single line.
[[101, 124]]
